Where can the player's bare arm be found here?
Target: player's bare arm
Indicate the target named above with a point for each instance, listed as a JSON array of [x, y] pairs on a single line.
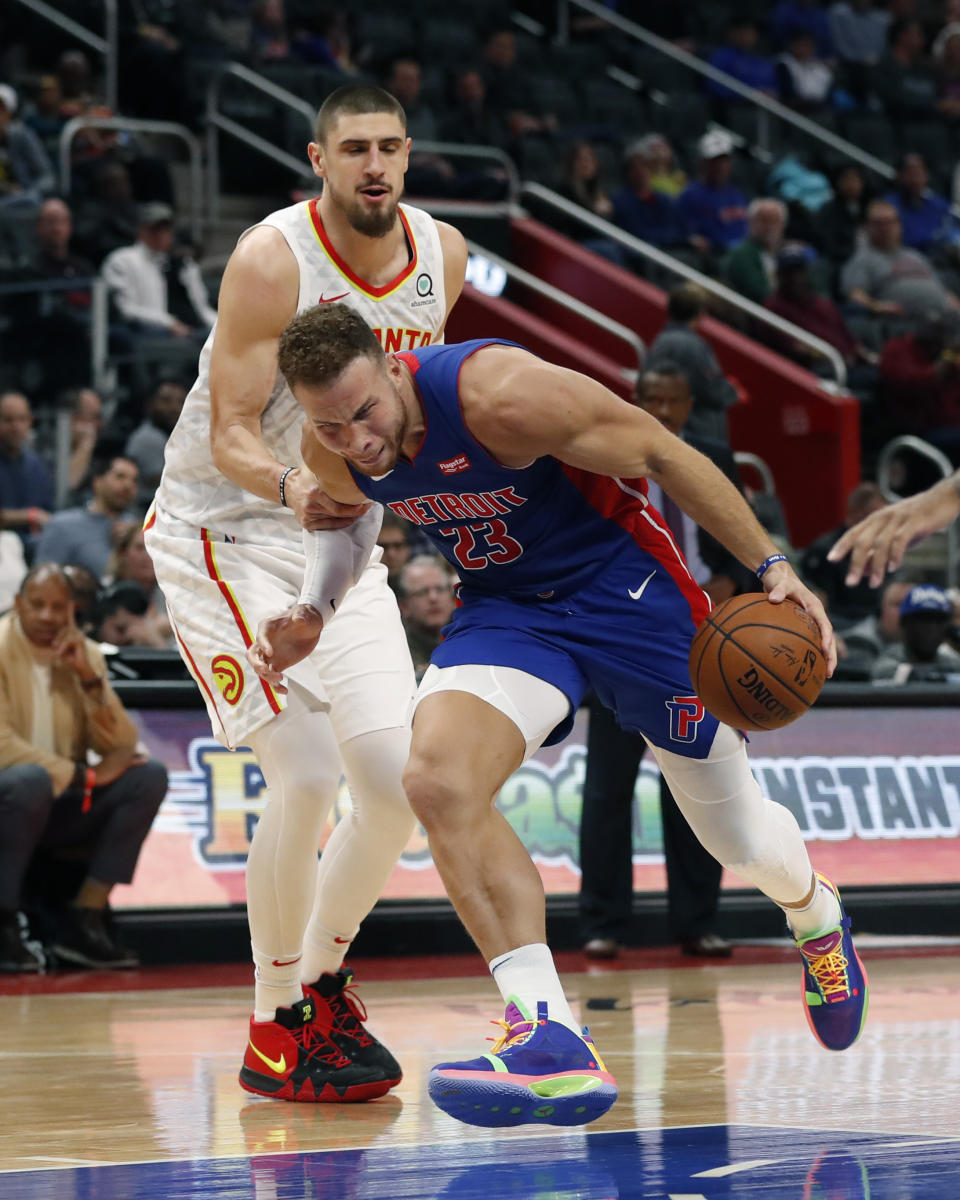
[[258, 297], [878, 543], [454, 248], [520, 408]]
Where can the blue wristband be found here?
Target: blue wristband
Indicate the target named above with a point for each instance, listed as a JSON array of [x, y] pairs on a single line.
[[768, 562]]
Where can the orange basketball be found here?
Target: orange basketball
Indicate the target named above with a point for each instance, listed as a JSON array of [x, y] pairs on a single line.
[[757, 665]]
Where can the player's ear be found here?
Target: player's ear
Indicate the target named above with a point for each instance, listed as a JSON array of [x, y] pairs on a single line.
[[315, 154]]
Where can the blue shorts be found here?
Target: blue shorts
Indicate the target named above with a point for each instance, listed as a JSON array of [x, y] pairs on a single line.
[[632, 649]]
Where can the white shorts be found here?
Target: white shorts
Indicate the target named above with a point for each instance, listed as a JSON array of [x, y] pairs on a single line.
[[217, 592]]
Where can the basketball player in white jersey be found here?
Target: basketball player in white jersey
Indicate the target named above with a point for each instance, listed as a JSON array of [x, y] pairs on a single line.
[[235, 517]]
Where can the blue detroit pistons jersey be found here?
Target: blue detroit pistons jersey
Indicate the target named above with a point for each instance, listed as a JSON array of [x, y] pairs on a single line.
[[530, 532], [569, 576]]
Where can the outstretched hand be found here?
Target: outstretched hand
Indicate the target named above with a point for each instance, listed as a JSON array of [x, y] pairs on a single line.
[[780, 582], [282, 641], [878, 543]]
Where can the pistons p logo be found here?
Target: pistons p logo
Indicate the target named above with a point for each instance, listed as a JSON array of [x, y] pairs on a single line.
[[686, 713], [228, 676]]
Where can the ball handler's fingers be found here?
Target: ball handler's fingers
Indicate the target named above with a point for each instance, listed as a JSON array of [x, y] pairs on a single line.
[[791, 588]]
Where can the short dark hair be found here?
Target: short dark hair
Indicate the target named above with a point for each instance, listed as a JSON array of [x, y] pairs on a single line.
[[686, 301], [321, 342], [41, 571], [103, 460], [354, 99]]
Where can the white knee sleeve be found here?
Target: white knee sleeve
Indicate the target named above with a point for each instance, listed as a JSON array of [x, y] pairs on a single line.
[[749, 834], [298, 755], [368, 841]]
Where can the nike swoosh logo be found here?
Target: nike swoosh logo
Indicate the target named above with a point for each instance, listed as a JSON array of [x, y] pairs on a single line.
[[288, 963], [640, 590], [343, 941], [330, 299], [279, 1066]]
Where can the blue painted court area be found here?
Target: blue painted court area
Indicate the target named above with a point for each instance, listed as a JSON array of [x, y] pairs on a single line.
[[717, 1162]]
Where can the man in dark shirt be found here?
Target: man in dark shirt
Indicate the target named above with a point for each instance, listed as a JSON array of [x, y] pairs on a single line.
[[637, 208], [26, 485], [713, 209], [846, 605]]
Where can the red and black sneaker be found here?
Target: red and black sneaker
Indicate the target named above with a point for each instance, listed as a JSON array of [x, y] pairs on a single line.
[[292, 1058], [340, 1014]]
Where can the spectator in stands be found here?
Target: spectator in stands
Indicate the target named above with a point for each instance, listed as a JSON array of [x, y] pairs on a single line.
[[886, 278], [946, 59], [26, 485], [903, 80], [838, 223], [846, 605], [269, 39], [802, 16], [679, 342], [157, 286], [61, 316], [470, 118], [86, 589], [130, 563], [859, 31], [665, 175], [427, 174], [85, 535], [425, 595], [796, 300], [739, 58], [919, 383], [107, 219], [44, 116], [924, 654], [583, 184], [86, 424], [145, 446], [122, 617], [805, 80], [508, 87], [322, 36], [865, 641], [77, 90], [642, 212], [57, 705], [26, 172], [925, 217], [394, 541], [713, 209], [751, 266]]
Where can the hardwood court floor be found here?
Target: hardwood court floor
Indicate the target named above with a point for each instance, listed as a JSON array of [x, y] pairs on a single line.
[[131, 1094]]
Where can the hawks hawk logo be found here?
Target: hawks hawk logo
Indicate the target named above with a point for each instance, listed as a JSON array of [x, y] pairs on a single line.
[[228, 676]]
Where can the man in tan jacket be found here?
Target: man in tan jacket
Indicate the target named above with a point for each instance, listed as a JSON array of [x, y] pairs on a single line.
[[56, 705]]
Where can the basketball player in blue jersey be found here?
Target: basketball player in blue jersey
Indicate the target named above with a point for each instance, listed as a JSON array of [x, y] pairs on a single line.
[[226, 535], [531, 479]]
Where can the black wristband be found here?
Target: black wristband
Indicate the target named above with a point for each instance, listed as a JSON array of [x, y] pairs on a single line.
[[283, 480]]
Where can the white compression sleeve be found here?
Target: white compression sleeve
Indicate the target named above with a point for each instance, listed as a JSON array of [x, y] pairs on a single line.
[[336, 559]]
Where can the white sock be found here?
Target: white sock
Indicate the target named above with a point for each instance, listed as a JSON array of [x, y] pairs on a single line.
[[529, 974], [821, 914], [275, 986], [323, 952]]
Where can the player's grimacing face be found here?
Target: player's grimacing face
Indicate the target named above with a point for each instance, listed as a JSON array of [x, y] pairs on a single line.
[[359, 416], [362, 163]]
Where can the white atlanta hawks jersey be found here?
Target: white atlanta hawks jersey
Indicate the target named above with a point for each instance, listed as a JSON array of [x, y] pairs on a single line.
[[405, 313]]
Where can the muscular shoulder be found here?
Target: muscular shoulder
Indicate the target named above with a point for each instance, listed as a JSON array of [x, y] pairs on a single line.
[[454, 248], [262, 272]]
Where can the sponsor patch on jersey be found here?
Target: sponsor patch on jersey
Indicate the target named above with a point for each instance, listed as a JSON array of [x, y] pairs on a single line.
[[454, 466], [228, 676]]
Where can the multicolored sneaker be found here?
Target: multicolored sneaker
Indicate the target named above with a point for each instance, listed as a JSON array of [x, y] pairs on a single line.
[[291, 1058], [538, 1072], [340, 1014], [835, 984]]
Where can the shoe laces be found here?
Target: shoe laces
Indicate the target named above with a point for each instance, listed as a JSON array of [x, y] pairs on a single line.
[[316, 1044], [349, 1013], [512, 1034], [830, 973]]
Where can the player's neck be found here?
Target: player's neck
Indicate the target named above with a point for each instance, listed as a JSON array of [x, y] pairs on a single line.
[[416, 421], [376, 260]]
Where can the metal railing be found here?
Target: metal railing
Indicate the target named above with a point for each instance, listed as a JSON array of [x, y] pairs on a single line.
[[107, 45], [915, 445], [765, 105], [734, 299], [637, 346], [217, 122]]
